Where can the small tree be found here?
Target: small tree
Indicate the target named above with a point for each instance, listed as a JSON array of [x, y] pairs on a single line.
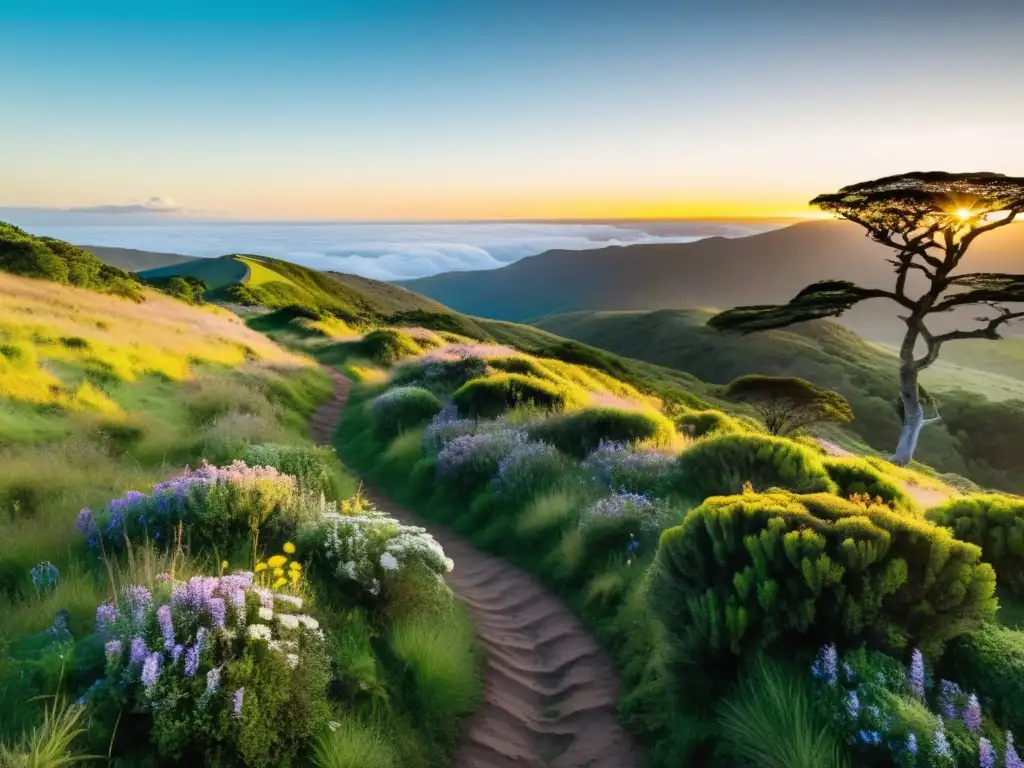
[[787, 404], [930, 220]]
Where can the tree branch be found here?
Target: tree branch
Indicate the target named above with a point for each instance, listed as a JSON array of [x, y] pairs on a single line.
[[969, 238], [989, 331]]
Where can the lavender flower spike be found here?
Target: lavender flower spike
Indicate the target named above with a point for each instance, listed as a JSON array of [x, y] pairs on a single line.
[[192, 661], [239, 694], [1011, 758], [972, 715], [986, 753], [138, 652], [151, 669], [917, 674]]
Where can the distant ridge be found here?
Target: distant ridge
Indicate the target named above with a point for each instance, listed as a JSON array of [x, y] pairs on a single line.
[[134, 260]]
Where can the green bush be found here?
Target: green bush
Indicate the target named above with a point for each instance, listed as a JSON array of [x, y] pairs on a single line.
[[990, 661], [387, 346], [720, 466], [996, 524], [491, 396], [780, 570], [856, 477], [312, 467], [701, 423], [402, 408], [443, 376], [581, 432]]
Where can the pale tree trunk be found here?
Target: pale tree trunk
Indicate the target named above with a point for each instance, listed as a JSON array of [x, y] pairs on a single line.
[[913, 413]]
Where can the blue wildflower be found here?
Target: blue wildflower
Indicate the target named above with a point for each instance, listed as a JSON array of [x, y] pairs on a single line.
[[986, 753], [916, 677], [972, 715], [852, 704], [825, 666]]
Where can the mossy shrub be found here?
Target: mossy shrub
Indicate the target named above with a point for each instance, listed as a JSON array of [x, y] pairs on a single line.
[[402, 408], [722, 465], [443, 376], [782, 570], [579, 433], [996, 524], [990, 661], [856, 477], [386, 346], [491, 396], [701, 423], [528, 366]]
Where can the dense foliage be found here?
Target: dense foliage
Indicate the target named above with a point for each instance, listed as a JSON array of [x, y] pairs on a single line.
[[991, 660], [788, 404], [581, 432], [856, 477], [402, 408], [493, 395]]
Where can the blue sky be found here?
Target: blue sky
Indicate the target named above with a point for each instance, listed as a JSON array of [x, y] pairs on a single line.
[[498, 110]]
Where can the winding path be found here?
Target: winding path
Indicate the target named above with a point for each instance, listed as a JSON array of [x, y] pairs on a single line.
[[550, 693]]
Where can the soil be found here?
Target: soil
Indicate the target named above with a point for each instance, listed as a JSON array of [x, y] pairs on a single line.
[[551, 694]]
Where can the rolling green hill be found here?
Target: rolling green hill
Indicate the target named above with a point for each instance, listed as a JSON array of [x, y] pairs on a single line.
[[133, 260]]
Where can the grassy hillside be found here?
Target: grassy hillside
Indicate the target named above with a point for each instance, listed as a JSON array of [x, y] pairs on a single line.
[[716, 272], [132, 260], [833, 357]]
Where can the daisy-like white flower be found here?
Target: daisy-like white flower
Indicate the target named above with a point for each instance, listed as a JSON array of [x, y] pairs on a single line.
[[388, 562], [266, 614], [308, 622], [288, 621], [292, 660], [260, 632], [291, 600]]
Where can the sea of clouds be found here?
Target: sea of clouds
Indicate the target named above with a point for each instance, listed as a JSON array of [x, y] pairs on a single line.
[[384, 251]]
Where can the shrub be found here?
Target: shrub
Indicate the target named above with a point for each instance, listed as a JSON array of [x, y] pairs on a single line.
[[387, 346], [855, 477], [530, 468], [701, 423], [445, 427], [403, 408], [211, 670], [628, 467], [996, 524], [491, 396], [581, 432], [781, 570], [469, 461], [528, 366], [991, 662], [311, 466], [444, 375], [722, 465], [217, 506]]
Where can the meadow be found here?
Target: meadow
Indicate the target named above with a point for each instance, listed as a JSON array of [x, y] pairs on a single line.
[[176, 554]]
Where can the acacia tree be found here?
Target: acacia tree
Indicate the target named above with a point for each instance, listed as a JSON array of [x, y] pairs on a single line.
[[787, 404], [930, 220]]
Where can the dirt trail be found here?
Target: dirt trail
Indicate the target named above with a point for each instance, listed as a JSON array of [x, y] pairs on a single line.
[[550, 693]]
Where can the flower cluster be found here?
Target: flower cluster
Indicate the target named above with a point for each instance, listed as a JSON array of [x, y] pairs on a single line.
[[366, 548], [278, 573], [861, 701], [627, 467], [445, 427], [529, 467], [474, 459], [625, 506], [216, 501], [45, 577]]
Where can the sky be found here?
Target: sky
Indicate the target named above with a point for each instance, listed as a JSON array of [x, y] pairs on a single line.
[[487, 109]]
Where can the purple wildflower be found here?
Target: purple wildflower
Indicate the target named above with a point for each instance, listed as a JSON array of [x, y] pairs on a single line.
[[940, 744], [266, 597], [85, 522], [626, 467], [150, 669], [138, 651], [106, 615], [239, 695], [826, 665], [1011, 757], [192, 661], [163, 617], [912, 744], [218, 610], [917, 674], [138, 599], [113, 650], [212, 680], [949, 695], [986, 753], [972, 715], [200, 637], [176, 650]]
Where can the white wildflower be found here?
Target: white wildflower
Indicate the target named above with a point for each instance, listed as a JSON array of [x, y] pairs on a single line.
[[266, 614], [288, 621], [388, 562], [292, 660], [289, 599], [260, 632], [308, 622]]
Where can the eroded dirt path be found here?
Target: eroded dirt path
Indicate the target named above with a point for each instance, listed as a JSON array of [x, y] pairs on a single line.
[[550, 693]]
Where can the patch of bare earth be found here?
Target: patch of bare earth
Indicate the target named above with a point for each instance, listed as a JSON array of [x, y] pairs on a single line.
[[550, 693]]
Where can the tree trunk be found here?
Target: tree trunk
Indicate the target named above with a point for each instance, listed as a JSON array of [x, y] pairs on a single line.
[[910, 394]]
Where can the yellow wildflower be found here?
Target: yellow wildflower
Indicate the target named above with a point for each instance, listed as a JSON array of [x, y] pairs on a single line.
[[277, 561], [260, 567], [289, 548], [280, 583], [295, 577], [223, 565], [279, 571], [295, 566]]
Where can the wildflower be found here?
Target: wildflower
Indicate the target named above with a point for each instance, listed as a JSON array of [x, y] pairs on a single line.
[[308, 622], [266, 597], [288, 621], [949, 693], [138, 652], [388, 561], [292, 660], [941, 744], [223, 565], [192, 661], [218, 611], [870, 737], [295, 602], [972, 715], [1011, 758], [260, 567], [266, 613], [151, 669], [280, 583], [164, 577], [295, 576], [848, 671], [45, 577], [176, 652], [200, 637], [138, 600], [986, 753], [212, 680], [163, 617], [106, 615], [113, 650], [289, 548], [259, 632], [85, 522], [825, 666], [852, 704], [277, 561], [912, 744], [239, 695], [917, 674], [279, 572], [295, 565]]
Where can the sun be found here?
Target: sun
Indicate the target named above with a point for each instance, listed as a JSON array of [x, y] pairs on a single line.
[[963, 213]]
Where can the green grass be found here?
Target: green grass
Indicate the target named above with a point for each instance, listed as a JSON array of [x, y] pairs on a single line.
[[259, 274], [217, 273], [352, 742]]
